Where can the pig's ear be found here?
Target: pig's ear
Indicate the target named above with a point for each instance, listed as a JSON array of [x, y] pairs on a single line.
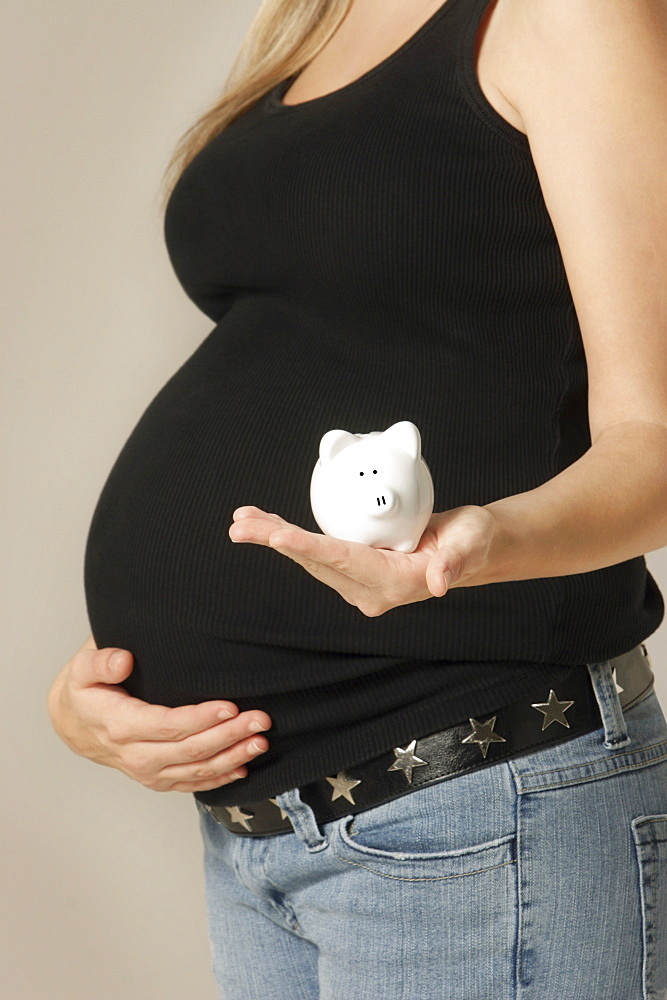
[[333, 442], [404, 435]]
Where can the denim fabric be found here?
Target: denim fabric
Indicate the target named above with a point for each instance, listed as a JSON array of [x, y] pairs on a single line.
[[542, 877]]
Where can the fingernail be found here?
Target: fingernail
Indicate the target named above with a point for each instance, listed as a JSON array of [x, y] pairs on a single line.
[[448, 577], [254, 745], [225, 714], [255, 727], [115, 660]]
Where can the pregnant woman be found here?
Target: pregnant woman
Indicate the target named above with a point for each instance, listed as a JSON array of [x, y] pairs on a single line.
[[453, 214]]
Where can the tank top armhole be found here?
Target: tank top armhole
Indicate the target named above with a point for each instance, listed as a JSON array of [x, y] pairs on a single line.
[[466, 74]]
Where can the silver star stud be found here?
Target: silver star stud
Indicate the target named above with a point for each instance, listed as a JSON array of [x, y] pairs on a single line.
[[482, 733], [554, 710], [406, 760], [283, 814], [619, 689], [343, 785], [240, 817]]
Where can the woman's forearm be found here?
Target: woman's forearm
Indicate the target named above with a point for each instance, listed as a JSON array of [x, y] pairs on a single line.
[[608, 506]]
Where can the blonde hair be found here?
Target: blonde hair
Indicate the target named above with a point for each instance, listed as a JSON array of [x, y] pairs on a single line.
[[283, 36]]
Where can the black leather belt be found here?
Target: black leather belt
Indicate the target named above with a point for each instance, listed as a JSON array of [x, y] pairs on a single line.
[[535, 721]]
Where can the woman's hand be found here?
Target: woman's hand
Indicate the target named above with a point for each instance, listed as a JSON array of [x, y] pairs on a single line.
[[453, 549], [190, 749]]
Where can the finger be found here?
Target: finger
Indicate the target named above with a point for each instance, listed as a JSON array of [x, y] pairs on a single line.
[[295, 542], [242, 513], [211, 740], [216, 768], [207, 786], [138, 721], [256, 526]]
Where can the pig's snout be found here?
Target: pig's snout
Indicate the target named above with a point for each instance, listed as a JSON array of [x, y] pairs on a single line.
[[384, 503]]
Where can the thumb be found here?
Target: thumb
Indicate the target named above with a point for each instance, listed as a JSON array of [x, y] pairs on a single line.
[[90, 665], [439, 573], [114, 664], [109, 665]]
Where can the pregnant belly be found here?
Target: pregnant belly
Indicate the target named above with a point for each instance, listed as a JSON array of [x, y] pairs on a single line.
[[239, 423]]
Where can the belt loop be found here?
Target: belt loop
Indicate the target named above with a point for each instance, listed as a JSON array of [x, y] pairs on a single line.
[[303, 820], [611, 711]]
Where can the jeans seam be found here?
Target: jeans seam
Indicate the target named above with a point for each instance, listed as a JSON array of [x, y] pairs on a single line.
[[658, 818], [425, 878], [554, 770], [519, 960], [595, 777]]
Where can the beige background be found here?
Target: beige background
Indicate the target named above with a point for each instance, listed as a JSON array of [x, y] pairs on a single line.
[[101, 879]]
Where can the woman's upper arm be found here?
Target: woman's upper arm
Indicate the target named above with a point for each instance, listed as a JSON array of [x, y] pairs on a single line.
[[589, 79]]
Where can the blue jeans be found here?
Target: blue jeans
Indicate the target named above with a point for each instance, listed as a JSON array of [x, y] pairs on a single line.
[[542, 877]]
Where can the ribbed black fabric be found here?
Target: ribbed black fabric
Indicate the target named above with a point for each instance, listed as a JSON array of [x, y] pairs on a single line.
[[377, 254]]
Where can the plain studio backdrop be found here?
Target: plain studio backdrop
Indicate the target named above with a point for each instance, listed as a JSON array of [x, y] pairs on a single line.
[[101, 879]]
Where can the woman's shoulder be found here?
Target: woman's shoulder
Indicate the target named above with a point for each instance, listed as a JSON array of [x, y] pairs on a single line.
[[543, 53]]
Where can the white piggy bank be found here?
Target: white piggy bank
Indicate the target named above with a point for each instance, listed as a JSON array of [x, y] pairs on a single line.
[[373, 488]]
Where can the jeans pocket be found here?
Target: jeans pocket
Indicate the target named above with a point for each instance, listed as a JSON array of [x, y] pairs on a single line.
[[406, 866], [650, 840], [452, 828]]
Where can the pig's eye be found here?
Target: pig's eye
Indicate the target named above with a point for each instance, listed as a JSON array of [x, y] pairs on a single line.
[[375, 472], [361, 473]]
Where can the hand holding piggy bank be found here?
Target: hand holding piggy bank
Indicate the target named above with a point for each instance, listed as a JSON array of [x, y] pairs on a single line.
[[373, 488]]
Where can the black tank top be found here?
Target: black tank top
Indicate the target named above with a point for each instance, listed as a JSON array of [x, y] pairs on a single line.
[[380, 253]]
